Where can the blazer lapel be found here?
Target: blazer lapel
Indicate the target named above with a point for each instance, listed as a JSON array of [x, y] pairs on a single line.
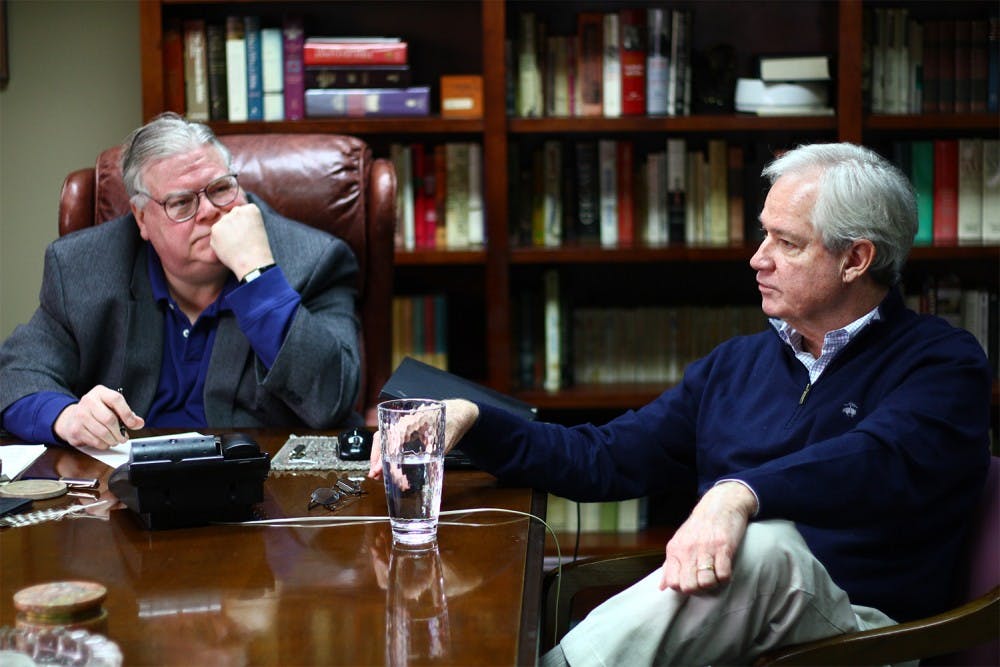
[[143, 350]]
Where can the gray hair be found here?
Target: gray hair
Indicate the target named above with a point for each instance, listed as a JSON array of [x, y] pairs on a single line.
[[165, 136], [861, 196]]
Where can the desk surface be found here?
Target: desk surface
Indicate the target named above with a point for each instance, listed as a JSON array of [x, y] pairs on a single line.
[[233, 595]]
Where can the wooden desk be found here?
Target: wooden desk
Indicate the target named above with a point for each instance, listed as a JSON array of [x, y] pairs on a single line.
[[232, 595]]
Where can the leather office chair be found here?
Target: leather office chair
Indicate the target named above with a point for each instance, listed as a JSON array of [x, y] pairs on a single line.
[[968, 634], [327, 181]]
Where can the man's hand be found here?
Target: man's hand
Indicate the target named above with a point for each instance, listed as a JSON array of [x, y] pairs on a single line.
[[460, 415], [700, 554], [97, 420], [240, 240]]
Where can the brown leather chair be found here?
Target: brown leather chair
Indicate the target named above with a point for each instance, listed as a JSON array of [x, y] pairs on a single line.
[[968, 634], [327, 181]]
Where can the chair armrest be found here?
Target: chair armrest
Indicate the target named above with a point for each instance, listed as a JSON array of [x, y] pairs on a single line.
[[606, 575], [76, 201], [971, 624]]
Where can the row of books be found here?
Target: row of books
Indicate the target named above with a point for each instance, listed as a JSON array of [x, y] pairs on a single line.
[[957, 183], [971, 307], [420, 329], [931, 66], [599, 191], [632, 62], [439, 195], [242, 70], [561, 346], [623, 516]]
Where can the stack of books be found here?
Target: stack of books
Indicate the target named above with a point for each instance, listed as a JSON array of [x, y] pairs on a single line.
[[360, 76], [788, 85]]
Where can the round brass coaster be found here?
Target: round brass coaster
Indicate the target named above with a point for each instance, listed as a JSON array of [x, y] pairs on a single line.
[[36, 489]]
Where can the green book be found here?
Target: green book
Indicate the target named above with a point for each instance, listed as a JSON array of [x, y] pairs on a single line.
[[922, 177]]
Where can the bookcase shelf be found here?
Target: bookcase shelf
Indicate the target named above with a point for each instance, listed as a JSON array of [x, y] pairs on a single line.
[[468, 36]]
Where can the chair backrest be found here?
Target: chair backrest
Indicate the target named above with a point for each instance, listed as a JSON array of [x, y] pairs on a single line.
[[327, 181]]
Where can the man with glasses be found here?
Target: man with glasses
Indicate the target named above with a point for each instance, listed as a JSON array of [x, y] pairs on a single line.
[[200, 308]]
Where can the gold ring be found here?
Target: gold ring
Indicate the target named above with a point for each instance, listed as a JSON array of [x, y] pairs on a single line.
[[709, 568]]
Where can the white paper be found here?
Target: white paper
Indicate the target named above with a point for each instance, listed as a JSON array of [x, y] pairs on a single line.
[[17, 458]]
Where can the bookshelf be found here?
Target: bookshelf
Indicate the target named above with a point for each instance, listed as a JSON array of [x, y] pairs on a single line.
[[468, 37]]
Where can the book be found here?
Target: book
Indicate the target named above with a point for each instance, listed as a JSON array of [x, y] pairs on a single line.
[[590, 64], [945, 191], [401, 157], [530, 102], [552, 203], [932, 66], [588, 195], [915, 46], [418, 171], [293, 37], [656, 232], [676, 184], [254, 68], [173, 66], [477, 221], [632, 25], [553, 334], [795, 68], [679, 75], [328, 102], [978, 64], [272, 73], [215, 41], [922, 178], [354, 51], [558, 74], [612, 91], [993, 64], [734, 182], [440, 195], [624, 170], [991, 191], [370, 76], [461, 96], [717, 232], [236, 70], [970, 190], [195, 70], [457, 194], [657, 61], [607, 160]]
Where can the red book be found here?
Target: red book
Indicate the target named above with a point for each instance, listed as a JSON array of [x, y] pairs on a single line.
[[626, 198], [173, 67], [633, 60], [292, 37], [419, 198], [945, 191], [320, 51]]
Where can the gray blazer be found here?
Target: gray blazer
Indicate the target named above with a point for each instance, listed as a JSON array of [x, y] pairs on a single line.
[[97, 323]]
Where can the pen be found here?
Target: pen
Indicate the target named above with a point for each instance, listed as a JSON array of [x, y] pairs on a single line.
[[121, 426]]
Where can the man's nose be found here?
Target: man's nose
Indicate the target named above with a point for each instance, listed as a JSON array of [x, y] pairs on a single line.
[[760, 259]]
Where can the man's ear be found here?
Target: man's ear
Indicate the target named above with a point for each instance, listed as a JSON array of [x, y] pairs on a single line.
[[140, 221], [857, 260]]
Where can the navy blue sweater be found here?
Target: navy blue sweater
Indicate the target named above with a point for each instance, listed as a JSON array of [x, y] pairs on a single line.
[[879, 465]]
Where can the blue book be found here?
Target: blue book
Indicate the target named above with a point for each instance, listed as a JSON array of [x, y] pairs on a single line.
[[379, 102], [255, 72]]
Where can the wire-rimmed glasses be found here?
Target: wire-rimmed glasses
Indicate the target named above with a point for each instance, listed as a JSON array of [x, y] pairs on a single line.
[[182, 206]]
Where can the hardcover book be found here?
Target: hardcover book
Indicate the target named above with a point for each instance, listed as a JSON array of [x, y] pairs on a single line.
[[657, 61], [330, 102], [590, 64], [173, 66], [922, 177], [215, 39], [196, 69], [612, 93], [588, 195], [293, 36], [632, 23], [372, 76], [342, 51], [236, 69], [254, 68], [945, 191], [970, 190], [272, 73], [795, 68]]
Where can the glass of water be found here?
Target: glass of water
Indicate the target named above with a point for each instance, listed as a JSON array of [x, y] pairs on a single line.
[[412, 435]]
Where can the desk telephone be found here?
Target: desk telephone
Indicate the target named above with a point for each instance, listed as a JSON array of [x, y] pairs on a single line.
[[192, 480]]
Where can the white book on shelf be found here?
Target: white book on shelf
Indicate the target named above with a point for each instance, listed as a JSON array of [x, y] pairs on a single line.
[[553, 334], [991, 191], [529, 76], [272, 73], [656, 199], [970, 190], [657, 60], [476, 210], [795, 68], [607, 152], [236, 70], [552, 204], [401, 157], [612, 97]]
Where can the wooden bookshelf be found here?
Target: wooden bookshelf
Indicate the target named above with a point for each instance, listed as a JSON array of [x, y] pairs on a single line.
[[468, 37]]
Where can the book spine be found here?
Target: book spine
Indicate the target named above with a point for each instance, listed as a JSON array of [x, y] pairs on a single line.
[[321, 103], [734, 181], [991, 191], [173, 66], [588, 193], [625, 192], [401, 157], [590, 63], [255, 85], [676, 190], [418, 168], [440, 195], [215, 39], [993, 65], [457, 198], [612, 93], [272, 74], [632, 23], [553, 334], [529, 77], [657, 62], [358, 77], [922, 177], [477, 222], [970, 190], [718, 192], [552, 234], [607, 150], [236, 70], [293, 36], [196, 70], [353, 53], [978, 65], [945, 191]]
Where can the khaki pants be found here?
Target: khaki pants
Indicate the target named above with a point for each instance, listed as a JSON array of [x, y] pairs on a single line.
[[779, 595]]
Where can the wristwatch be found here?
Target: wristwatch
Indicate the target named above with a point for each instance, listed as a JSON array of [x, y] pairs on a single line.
[[256, 273]]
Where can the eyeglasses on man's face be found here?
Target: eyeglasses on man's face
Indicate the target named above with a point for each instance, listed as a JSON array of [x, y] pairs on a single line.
[[182, 206]]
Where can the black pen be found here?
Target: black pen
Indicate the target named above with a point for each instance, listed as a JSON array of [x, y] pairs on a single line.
[[121, 425]]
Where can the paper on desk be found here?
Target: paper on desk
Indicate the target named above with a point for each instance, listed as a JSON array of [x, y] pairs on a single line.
[[119, 454], [17, 458]]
